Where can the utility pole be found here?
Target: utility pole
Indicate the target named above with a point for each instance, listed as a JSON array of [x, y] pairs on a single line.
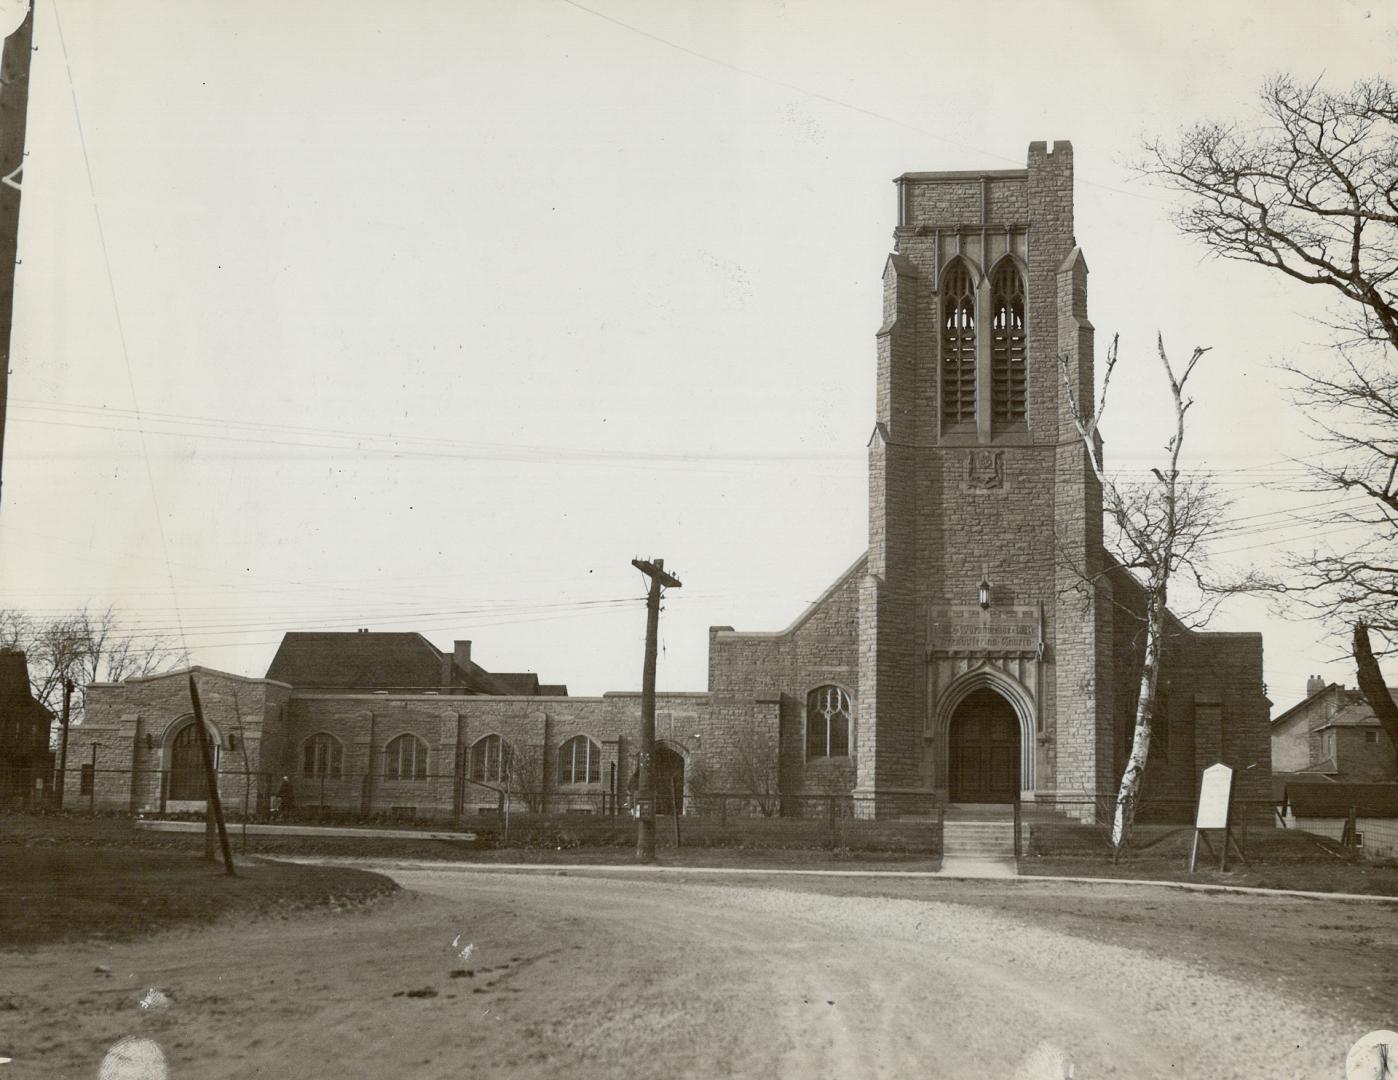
[[14, 110], [645, 785], [213, 809], [63, 748]]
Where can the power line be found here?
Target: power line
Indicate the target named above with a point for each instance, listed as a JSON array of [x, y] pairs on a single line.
[[116, 309], [816, 95]]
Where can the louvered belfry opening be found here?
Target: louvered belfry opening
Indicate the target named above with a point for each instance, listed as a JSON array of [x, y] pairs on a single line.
[[958, 346], [1007, 345]]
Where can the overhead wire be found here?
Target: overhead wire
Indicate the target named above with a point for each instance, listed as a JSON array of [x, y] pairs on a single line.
[[116, 311]]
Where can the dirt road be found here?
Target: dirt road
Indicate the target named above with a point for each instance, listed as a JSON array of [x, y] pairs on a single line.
[[593, 977]]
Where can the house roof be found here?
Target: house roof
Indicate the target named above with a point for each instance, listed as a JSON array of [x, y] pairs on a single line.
[[357, 660], [1302, 704], [519, 683], [371, 660], [1334, 800], [16, 699], [1355, 714]]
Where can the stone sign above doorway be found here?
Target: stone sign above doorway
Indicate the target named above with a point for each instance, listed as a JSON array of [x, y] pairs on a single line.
[[967, 628]]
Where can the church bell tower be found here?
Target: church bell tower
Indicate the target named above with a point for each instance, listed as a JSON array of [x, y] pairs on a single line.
[[985, 621]]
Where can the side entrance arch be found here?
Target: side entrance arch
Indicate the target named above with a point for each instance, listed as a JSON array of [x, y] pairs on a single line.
[[183, 761], [187, 778], [669, 780], [984, 749]]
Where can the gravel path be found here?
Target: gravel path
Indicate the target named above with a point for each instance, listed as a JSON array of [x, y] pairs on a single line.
[[576, 976]]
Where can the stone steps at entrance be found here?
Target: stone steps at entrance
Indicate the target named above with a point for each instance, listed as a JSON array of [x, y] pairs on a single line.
[[979, 831]]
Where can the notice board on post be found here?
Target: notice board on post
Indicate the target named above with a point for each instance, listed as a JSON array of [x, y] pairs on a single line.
[[1215, 812]]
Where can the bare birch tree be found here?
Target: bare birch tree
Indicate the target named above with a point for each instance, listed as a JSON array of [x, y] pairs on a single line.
[[1312, 194], [1157, 528]]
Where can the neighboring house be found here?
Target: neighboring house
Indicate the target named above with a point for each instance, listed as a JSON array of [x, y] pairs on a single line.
[[26, 762], [1333, 735], [983, 647]]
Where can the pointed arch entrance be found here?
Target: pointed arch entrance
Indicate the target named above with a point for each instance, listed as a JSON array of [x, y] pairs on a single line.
[[669, 780], [950, 694], [984, 750]]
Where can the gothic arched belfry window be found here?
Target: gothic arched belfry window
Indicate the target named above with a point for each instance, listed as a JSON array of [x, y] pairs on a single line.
[[1007, 346], [958, 346]]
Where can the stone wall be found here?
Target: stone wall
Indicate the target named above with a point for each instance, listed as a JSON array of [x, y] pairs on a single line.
[[751, 673], [272, 725], [128, 729]]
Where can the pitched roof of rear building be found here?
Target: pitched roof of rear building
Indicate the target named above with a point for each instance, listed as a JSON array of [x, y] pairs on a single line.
[[16, 699], [1312, 800], [519, 683], [372, 660]]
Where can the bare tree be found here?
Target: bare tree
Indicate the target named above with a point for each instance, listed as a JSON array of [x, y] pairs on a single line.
[[1313, 194], [524, 772], [756, 769], [1157, 529], [84, 646], [1355, 585]]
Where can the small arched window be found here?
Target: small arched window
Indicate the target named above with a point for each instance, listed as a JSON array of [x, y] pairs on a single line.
[[490, 759], [827, 722], [322, 757], [405, 758], [958, 346], [1007, 372], [579, 761]]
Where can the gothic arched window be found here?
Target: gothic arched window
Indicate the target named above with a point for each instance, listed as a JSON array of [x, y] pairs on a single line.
[[827, 722], [579, 761], [1007, 345], [405, 758], [322, 756], [490, 759], [958, 346]]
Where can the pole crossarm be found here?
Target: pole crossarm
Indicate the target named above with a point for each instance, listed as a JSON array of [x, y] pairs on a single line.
[[655, 570]]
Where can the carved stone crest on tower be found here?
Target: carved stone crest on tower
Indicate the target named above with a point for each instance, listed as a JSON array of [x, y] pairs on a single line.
[[985, 469]]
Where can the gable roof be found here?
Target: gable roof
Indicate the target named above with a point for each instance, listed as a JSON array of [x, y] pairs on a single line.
[[16, 699], [360, 661], [372, 660], [1355, 714]]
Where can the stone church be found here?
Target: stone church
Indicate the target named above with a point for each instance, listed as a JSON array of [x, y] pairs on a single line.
[[984, 648]]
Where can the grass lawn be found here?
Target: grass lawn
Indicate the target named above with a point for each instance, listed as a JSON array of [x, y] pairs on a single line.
[[53, 892], [1276, 859]]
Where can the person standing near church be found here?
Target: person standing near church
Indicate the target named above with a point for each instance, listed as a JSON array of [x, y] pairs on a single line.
[[286, 796]]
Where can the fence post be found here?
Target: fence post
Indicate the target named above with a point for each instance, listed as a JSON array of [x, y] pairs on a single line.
[[92, 790], [1018, 826]]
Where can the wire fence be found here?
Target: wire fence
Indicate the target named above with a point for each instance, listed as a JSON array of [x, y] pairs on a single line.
[[596, 812], [408, 794]]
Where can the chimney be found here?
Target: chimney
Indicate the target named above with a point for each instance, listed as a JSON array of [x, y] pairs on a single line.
[[459, 664], [1314, 685]]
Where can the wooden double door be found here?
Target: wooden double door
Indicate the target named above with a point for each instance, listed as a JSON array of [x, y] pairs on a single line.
[[188, 781], [984, 750]]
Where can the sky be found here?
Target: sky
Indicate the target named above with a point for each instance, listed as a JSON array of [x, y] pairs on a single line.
[[431, 316]]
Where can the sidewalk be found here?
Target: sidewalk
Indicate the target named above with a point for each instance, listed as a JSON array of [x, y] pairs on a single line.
[[945, 874], [309, 830]]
